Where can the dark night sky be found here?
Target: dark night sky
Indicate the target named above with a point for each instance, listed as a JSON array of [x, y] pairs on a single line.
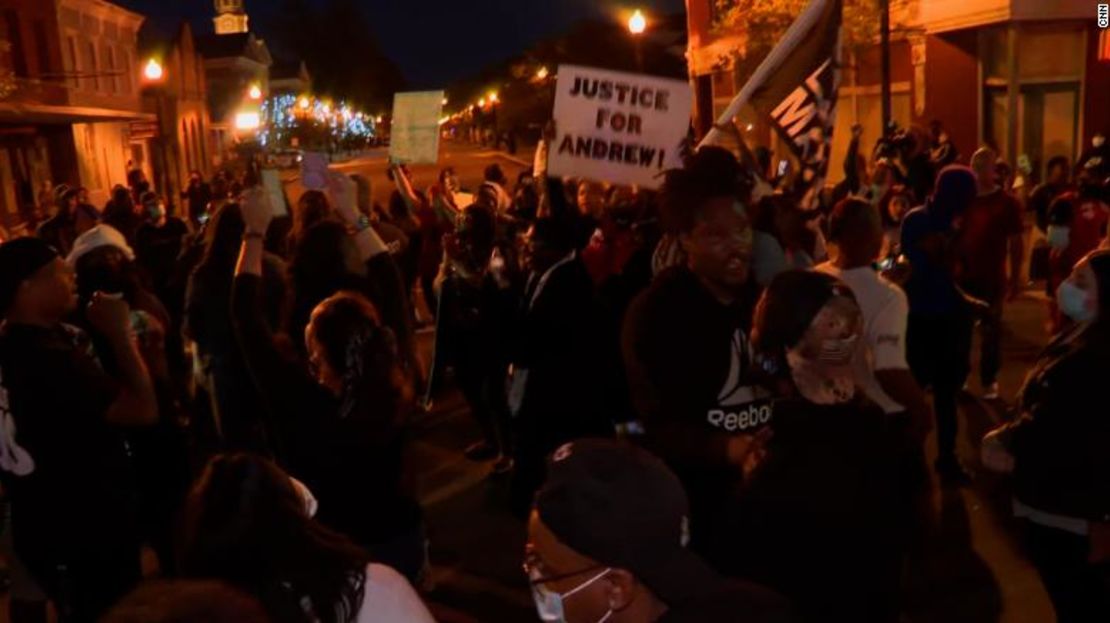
[[433, 41]]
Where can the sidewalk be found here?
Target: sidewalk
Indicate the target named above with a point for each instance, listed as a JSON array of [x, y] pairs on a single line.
[[973, 569]]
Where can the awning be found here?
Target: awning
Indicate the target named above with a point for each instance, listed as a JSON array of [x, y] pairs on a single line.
[[15, 112]]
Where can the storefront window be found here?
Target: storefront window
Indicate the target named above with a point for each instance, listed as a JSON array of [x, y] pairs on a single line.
[[1050, 66]]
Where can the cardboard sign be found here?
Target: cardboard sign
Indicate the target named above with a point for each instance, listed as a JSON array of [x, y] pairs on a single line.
[[271, 181], [314, 171], [414, 135], [618, 127]]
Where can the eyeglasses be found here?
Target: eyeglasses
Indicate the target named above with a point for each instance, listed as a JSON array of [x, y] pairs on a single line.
[[532, 569]]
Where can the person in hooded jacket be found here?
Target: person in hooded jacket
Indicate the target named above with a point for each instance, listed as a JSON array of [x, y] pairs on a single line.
[[938, 334], [1056, 451]]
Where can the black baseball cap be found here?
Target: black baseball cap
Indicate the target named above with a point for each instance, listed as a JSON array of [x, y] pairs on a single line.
[[619, 505], [19, 260]]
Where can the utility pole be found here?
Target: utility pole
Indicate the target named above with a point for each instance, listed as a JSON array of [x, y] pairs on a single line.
[[884, 34]]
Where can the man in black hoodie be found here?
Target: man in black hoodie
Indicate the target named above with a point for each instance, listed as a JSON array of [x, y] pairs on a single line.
[[685, 342]]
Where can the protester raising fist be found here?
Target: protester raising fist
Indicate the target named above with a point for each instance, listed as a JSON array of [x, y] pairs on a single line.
[[257, 211]]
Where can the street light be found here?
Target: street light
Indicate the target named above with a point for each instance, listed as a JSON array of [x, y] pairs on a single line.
[[255, 92], [154, 78], [247, 120], [153, 71], [493, 97], [444, 102], [637, 24], [304, 103], [482, 103], [542, 73]]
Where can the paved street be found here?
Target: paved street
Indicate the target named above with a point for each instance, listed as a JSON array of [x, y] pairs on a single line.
[[469, 162]]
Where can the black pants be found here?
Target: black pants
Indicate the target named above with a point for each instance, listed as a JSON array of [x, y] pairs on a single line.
[[1080, 591], [939, 351], [484, 391], [990, 330]]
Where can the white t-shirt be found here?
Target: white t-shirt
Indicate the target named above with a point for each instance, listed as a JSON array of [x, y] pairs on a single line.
[[885, 313], [389, 598]]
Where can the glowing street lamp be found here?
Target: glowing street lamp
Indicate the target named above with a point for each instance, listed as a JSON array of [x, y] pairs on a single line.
[[304, 103], [247, 120], [637, 24], [542, 73], [482, 103], [444, 101], [255, 92], [153, 71], [493, 97]]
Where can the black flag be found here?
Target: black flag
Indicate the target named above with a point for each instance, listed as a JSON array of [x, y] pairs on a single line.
[[799, 97]]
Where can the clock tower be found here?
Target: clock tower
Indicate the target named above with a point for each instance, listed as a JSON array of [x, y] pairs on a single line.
[[231, 17]]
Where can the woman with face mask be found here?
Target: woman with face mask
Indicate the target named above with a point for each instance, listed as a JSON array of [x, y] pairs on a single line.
[[822, 517], [1057, 451]]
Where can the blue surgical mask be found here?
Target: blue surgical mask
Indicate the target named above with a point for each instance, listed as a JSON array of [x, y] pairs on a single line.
[[549, 604], [1072, 301]]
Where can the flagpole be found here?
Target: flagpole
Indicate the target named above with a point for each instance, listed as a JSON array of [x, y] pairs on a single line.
[[793, 36], [884, 43]]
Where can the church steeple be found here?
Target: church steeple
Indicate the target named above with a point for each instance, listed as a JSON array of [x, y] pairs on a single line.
[[231, 17]]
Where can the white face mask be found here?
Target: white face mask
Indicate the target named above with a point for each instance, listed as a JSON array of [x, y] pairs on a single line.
[[549, 604], [816, 382], [1072, 301], [838, 351]]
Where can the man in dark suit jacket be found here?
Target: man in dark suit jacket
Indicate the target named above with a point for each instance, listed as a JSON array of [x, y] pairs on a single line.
[[557, 387]]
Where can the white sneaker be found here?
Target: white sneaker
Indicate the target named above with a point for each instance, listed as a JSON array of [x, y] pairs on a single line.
[[991, 393]]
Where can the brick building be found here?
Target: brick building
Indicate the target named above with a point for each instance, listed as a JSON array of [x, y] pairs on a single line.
[[234, 61], [179, 99], [69, 93], [1029, 77]]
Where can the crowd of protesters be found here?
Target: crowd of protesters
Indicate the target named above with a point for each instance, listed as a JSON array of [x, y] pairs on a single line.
[[711, 402]]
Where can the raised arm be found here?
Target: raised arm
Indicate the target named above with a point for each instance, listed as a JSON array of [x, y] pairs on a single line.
[[136, 404], [276, 377], [404, 186], [539, 172]]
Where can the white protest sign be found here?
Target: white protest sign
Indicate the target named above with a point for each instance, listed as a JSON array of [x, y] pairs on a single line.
[[618, 127], [414, 137], [271, 181]]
